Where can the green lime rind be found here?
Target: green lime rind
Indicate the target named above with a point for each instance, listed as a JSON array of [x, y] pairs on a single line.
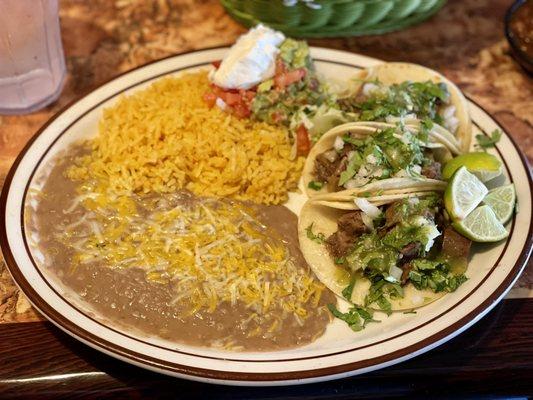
[[463, 194], [481, 225], [484, 165], [502, 200]]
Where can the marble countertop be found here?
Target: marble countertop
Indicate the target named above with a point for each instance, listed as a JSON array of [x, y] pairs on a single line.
[[102, 38]]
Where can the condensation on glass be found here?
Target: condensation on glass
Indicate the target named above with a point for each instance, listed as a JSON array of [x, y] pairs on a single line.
[[32, 65]]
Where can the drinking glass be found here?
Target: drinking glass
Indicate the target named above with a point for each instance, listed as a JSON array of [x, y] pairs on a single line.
[[32, 65]]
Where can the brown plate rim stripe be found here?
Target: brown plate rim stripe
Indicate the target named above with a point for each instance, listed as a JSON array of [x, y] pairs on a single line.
[[37, 268], [191, 66], [299, 374]]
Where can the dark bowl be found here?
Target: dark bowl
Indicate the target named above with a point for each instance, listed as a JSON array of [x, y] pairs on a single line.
[[523, 59]]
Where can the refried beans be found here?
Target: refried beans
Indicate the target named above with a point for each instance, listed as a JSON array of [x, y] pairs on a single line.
[[133, 297]]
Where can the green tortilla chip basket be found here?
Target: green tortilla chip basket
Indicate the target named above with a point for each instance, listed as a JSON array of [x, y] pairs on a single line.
[[323, 18]]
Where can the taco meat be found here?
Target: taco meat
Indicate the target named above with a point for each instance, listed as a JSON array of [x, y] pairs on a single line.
[[406, 269], [330, 164], [325, 165], [339, 244], [409, 252], [432, 170], [352, 223], [350, 227], [455, 245]]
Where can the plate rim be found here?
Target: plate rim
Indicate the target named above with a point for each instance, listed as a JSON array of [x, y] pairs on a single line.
[[231, 377]]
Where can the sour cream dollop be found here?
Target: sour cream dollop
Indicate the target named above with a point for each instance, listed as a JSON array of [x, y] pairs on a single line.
[[250, 61]]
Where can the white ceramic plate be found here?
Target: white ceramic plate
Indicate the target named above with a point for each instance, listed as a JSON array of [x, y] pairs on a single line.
[[340, 352]]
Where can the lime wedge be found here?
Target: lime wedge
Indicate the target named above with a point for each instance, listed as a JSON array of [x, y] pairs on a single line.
[[484, 165], [463, 193], [502, 201], [481, 225]]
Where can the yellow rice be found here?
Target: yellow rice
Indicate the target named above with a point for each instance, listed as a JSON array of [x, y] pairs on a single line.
[[166, 138]]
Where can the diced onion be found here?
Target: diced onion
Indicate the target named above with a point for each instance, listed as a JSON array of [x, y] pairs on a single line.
[[367, 221], [371, 159], [338, 144], [448, 112], [221, 104], [450, 120], [413, 200], [331, 155], [369, 87], [395, 274], [366, 207]]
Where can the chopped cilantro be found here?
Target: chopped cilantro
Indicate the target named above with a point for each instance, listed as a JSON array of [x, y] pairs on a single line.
[[318, 238], [419, 98], [489, 141], [405, 233], [381, 292], [356, 142], [356, 317], [354, 164], [425, 127], [384, 305], [348, 290], [381, 155], [340, 260], [434, 275], [315, 185]]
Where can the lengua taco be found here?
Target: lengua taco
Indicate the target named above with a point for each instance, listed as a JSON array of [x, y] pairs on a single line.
[[390, 250], [395, 89], [354, 154]]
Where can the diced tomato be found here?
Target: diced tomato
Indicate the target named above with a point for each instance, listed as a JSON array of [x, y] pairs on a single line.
[[278, 116], [247, 95], [280, 67], [303, 144], [241, 110], [216, 64], [230, 99], [210, 98], [288, 78], [238, 101]]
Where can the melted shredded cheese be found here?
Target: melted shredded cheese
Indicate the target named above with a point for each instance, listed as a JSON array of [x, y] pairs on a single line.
[[211, 251]]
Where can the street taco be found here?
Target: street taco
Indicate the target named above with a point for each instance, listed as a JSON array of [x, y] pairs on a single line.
[[396, 89], [355, 154], [390, 252]]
